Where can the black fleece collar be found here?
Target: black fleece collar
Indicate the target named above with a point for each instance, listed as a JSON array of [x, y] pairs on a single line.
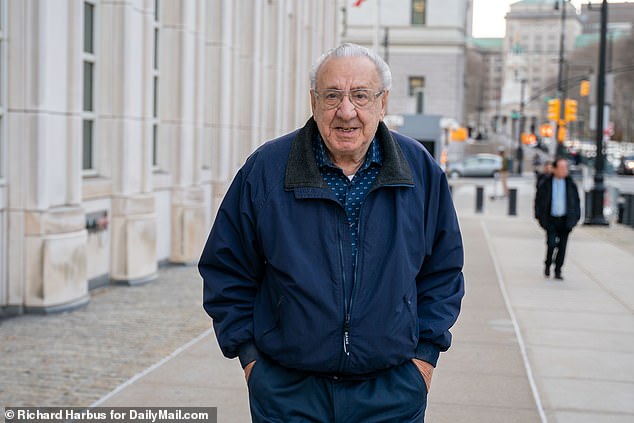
[[302, 170]]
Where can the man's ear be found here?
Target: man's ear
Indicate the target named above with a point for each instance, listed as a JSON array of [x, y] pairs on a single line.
[[313, 101], [384, 103]]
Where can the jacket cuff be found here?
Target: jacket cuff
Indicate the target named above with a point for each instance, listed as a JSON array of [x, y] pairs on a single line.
[[427, 352], [247, 353]]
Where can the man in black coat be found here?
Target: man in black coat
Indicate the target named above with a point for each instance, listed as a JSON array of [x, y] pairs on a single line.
[[558, 210]]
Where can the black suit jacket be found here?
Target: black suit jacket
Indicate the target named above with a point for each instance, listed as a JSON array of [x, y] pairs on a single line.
[[543, 201]]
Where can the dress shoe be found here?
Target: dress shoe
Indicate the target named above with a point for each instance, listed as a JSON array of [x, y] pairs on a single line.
[[559, 277], [547, 271]]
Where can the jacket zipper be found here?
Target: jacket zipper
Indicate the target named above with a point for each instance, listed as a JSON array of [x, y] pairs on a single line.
[[348, 314], [348, 305], [348, 310], [346, 325]]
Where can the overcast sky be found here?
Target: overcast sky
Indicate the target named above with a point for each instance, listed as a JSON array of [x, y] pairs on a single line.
[[488, 15]]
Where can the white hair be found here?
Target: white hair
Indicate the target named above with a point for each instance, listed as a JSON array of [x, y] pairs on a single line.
[[354, 50]]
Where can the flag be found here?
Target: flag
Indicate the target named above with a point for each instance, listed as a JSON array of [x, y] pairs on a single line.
[[358, 3]]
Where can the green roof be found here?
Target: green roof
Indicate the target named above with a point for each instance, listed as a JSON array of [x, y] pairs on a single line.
[[488, 43], [585, 40]]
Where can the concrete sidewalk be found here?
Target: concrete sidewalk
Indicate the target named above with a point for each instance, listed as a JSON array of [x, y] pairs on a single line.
[[526, 348]]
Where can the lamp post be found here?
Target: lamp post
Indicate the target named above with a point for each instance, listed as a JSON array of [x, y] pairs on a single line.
[[519, 153], [560, 76], [596, 213]]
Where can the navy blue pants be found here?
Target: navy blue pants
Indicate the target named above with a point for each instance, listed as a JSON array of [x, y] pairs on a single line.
[[281, 395]]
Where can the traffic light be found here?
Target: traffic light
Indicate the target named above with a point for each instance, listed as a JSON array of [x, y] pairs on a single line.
[[528, 139], [546, 130], [584, 90], [570, 110], [553, 109]]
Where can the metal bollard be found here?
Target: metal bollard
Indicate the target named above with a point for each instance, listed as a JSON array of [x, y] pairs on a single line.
[[588, 205], [620, 209], [630, 209], [626, 210], [479, 199], [512, 201]]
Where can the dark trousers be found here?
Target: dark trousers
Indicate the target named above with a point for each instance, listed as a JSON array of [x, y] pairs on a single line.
[[556, 240], [281, 395]]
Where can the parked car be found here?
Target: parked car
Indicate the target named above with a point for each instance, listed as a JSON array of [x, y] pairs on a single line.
[[626, 166], [476, 165]]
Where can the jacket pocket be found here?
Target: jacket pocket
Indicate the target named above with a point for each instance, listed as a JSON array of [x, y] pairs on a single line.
[[277, 313], [410, 305]]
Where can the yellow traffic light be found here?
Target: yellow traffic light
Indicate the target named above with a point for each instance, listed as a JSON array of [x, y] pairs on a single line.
[[584, 90], [553, 109], [570, 110]]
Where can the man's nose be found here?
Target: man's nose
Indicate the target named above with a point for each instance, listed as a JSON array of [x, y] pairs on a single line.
[[346, 109]]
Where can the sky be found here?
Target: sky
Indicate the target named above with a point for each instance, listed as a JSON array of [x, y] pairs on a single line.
[[488, 15]]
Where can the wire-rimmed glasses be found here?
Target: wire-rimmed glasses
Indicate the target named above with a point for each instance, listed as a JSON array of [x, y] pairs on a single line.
[[360, 98]]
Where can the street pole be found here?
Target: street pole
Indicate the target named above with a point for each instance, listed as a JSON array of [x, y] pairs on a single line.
[[519, 154], [560, 79], [386, 45], [596, 217]]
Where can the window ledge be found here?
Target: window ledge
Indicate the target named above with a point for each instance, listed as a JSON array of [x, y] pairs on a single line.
[[96, 187]]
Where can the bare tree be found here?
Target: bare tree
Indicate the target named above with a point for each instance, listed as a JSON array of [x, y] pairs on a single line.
[[621, 64], [475, 87]]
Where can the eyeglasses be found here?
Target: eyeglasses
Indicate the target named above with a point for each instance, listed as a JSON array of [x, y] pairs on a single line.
[[360, 98]]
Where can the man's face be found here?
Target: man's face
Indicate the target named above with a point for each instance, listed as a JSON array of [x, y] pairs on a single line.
[[348, 130], [561, 171]]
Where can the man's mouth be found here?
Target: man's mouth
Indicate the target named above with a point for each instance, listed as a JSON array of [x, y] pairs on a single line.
[[340, 128]]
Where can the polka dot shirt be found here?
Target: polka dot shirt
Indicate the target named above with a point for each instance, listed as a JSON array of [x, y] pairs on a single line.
[[350, 193]]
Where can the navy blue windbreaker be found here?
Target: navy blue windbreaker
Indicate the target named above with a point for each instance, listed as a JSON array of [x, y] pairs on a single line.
[[274, 263]]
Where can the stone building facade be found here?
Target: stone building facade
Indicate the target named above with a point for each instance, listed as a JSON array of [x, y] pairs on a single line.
[[122, 123], [484, 85], [424, 42], [531, 48]]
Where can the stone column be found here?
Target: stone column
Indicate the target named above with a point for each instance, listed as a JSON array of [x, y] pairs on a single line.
[[125, 110], [46, 225], [180, 71]]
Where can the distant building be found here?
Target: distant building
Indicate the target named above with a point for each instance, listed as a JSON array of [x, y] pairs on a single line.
[[122, 123], [483, 102], [620, 23], [620, 18], [424, 42], [531, 48]]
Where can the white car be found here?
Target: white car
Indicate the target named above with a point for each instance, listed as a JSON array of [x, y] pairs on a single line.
[[476, 165]]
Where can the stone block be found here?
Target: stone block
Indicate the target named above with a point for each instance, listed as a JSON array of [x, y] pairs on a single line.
[[56, 271], [188, 239], [133, 205], [134, 248], [54, 221]]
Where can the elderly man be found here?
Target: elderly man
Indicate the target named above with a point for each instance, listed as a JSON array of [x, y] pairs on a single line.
[[334, 267]]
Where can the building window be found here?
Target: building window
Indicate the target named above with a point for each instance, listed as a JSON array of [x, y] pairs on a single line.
[[155, 84], [417, 89], [418, 12], [88, 104], [416, 83]]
